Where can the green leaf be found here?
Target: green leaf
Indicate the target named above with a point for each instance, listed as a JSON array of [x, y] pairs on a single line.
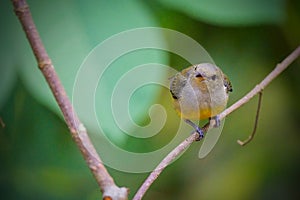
[[7, 53], [69, 31], [231, 12], [7, 79]]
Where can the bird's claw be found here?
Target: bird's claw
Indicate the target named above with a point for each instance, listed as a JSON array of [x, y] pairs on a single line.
[[217, 121], [197, 129], [200, 132]]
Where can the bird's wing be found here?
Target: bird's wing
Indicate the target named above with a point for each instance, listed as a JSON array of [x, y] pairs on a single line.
[[177, 83], [227, 84]]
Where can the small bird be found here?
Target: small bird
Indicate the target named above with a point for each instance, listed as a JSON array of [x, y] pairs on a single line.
[[200, 92]]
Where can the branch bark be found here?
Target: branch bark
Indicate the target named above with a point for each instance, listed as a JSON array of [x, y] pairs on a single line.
[[79, 134], [78, 131], [187, 142]]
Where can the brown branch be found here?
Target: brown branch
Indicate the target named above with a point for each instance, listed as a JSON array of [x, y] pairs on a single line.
[[186, 143], [251, 136], [79, 134], [258, 88], [77, 129]]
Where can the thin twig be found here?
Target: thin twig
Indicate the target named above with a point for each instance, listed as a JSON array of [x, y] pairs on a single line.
[[251, 136], [273, 74], [77, 129], [185, 144]]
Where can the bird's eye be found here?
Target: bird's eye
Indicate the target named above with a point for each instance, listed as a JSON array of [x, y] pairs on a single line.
[[213, 77]]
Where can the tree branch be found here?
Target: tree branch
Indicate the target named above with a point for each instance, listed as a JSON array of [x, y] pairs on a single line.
[[77, 129], [187, 142], [251, 136], [79, 134]]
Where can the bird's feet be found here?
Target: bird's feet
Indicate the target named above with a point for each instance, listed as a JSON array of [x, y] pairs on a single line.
[[197, 129], [216, 119]]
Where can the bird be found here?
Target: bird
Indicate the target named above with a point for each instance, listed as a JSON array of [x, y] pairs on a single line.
[[200, 92]]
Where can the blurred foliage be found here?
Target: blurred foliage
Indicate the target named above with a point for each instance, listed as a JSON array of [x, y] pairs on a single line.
[[245, 38]]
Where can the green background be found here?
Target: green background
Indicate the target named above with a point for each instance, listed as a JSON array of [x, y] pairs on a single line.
[[246, 39]]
